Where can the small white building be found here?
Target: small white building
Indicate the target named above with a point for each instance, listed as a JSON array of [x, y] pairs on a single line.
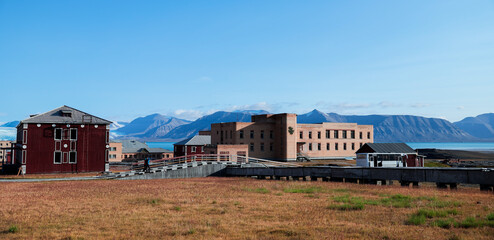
[[388, 155]]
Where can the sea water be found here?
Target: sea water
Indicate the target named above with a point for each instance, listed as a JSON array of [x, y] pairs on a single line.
[[483, 146], [165, 145]]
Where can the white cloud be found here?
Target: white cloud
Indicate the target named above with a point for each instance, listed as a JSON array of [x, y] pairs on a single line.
[[460, 107], [190, 114], [419, 105], [255, 106], [387, 104]]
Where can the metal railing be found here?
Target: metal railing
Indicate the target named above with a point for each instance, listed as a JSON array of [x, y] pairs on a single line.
[[139, 165]]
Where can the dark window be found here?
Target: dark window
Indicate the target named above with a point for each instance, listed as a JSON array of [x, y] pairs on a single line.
[[301, 135], [328, 134], [241, 133], [361, 144], [271, 147], [73, 134], [352, 134], [368, 135], [344, 134], [262, 147], [262, 134], [319, 135], [252, 146], [310, 146], [336, 146], [336, 134], [344, 146], [310, 135], [57, 159], [251, 134], [58, 134], [319, 146], [73, 157], [327, 146], [353, 146], [271, 134], [360, 135]]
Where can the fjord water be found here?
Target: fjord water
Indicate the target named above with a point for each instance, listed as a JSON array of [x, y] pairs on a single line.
[[165, 145]]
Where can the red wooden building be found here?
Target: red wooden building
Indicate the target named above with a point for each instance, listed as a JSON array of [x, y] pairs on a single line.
[[63, 140], [191, 146]]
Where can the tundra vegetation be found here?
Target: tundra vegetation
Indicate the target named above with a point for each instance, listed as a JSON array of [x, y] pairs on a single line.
[[240, 208]]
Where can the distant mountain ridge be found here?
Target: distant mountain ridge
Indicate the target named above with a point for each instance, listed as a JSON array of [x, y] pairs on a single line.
[[387, 128], [481, 126], [397, 128]]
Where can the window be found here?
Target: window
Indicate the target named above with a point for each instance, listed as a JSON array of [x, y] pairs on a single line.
[[193, 149], [336, 134], [73, 145], [58, 134], [271, 134], [271, 147], [361, 144], [107, 136], [327, 146], [24, 156], [344, 146], [368, 135], [65, 157], [73, 134], [57, 157], [251, 134], [343, 134], [319, 147], [24, 137], [353, 146], [106, 155], [262, 134], [360, 135], [352, 134], [336, 146], [319, 135], [310, 146], [73, 157], [328, 134], [301, 135], [310, 134], [241, 133], [66, 134], [262, 147], [252, 146]]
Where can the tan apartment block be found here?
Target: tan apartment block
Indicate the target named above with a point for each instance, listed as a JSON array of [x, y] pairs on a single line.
[[115, 154], [3, 152], [279, 137]]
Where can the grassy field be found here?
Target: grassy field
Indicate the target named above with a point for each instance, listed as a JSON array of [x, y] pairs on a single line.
[[240, 208]]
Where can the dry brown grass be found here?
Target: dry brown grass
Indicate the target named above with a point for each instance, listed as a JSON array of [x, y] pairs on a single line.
[[223, 208]]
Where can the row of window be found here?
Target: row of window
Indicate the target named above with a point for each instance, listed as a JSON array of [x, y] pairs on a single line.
[[70, 157], [336, 134], [66, 134], [261, 147], [336, 146]]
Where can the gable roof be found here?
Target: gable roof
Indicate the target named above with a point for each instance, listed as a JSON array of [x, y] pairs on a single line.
[[66, 114], [134, 146], [386, 148], [197, 140]]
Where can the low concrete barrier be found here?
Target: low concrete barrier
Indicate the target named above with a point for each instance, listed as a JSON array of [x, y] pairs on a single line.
[[441, 176]]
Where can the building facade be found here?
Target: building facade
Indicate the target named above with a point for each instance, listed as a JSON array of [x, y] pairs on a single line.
[[63, 140], [388, 155], [133, 150], [280, 137], [4, 151], [192, 146]]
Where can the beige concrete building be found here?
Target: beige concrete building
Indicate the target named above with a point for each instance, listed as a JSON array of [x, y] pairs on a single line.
[[3, 152], [115, 154], [280, 137]]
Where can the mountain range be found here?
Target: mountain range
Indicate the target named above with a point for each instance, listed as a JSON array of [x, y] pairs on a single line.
[[387, 128]]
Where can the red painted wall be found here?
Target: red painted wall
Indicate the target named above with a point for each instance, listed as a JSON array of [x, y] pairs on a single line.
[[178, 150], [40, 147]]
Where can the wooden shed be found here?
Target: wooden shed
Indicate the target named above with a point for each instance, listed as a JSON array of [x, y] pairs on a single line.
[[388, 155]]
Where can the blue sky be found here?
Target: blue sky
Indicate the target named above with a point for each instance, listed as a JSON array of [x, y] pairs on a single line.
[[124, 59]]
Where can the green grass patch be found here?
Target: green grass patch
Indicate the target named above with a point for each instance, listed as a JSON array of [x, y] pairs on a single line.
[[444, 223], [436, 164], [13, 229], [490, 217], [346, 207], [416, 220], [469, 222], [258, 190], [177, 208], [397, 201], [302, 190]]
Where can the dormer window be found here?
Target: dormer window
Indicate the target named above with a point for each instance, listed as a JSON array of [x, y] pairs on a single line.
[[66, 113]]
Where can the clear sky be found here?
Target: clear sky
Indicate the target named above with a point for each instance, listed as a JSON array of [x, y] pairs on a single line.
[[124, 59]]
